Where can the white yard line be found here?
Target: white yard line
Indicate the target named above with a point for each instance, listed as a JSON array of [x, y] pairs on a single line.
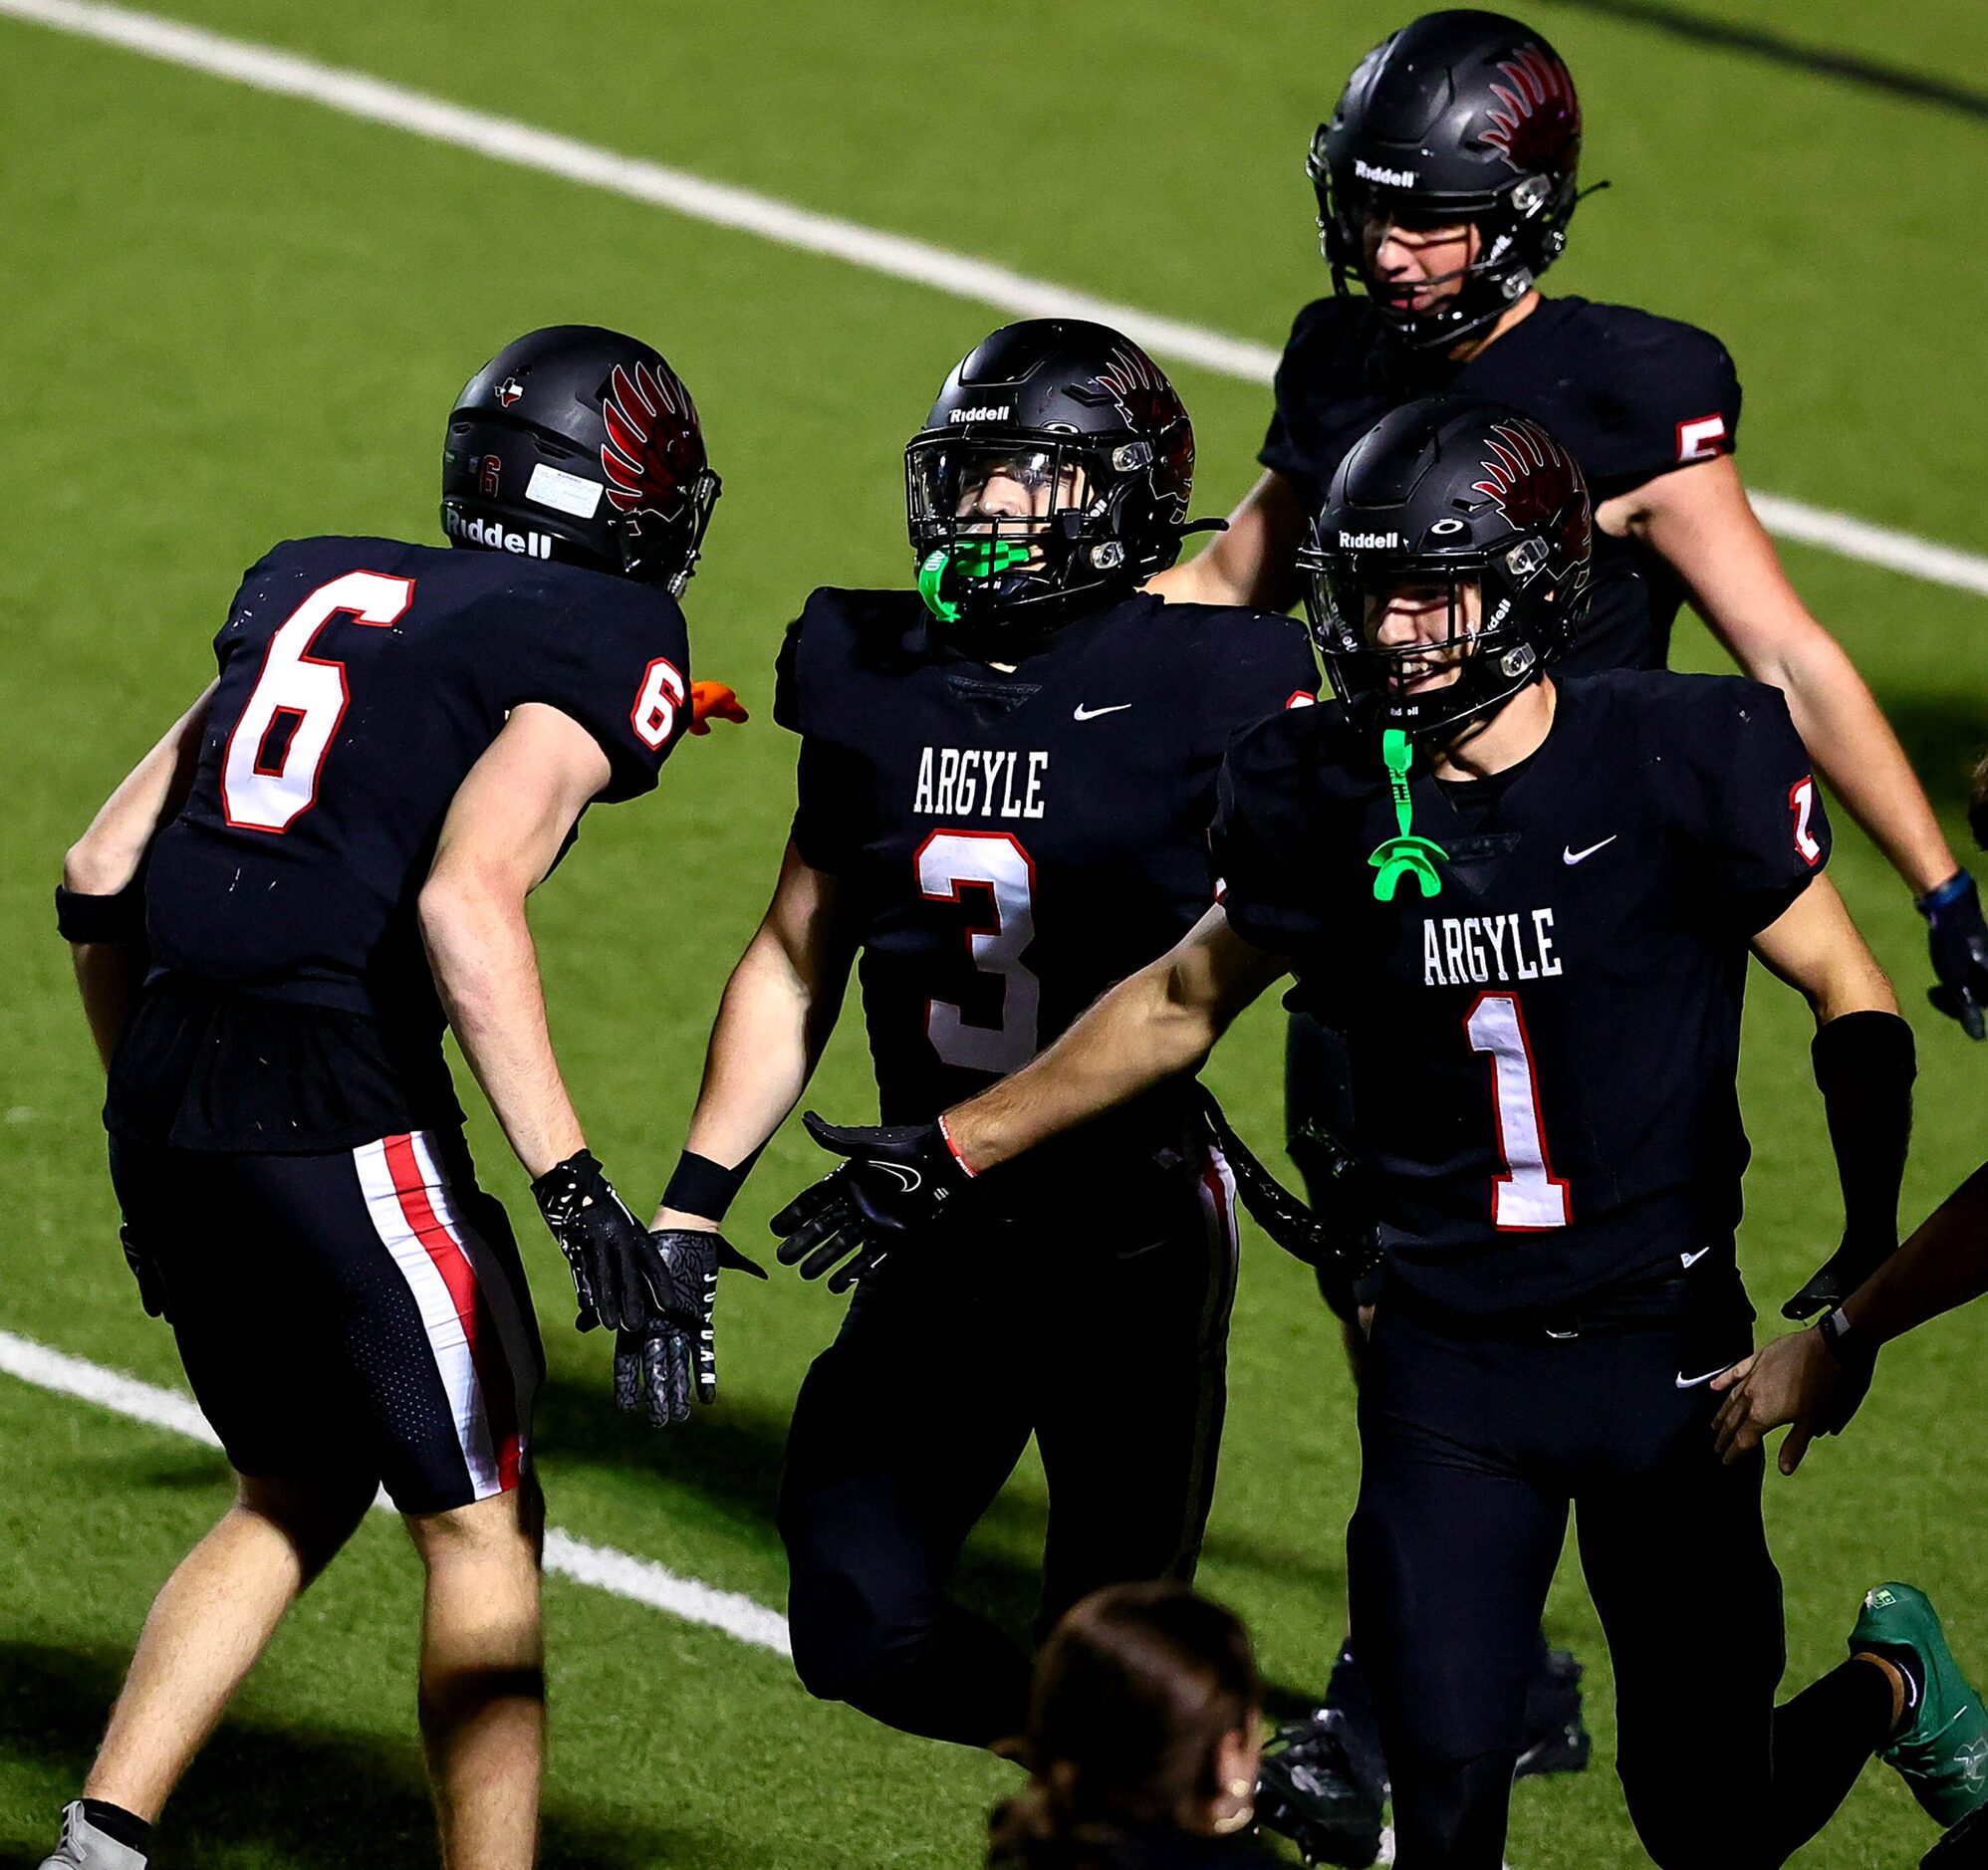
[[620, 1574], [504, 139]]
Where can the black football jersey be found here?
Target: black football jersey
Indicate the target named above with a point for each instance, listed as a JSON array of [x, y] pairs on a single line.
[[360, 680], [1544, 1052], [1014, 843], [1631, 395]]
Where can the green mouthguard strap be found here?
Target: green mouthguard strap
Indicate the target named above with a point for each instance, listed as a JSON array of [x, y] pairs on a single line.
[[964, 557], [1405, 854]]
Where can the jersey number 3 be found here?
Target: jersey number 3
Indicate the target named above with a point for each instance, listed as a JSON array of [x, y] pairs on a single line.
[[269, 775], [1528, 1197], [996, 862]]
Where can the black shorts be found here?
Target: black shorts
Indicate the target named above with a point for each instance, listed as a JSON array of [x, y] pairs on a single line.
[[358, 1316]]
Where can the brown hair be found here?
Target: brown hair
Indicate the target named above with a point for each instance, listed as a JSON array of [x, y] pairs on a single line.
[[1977, 802], [1134, 1691]]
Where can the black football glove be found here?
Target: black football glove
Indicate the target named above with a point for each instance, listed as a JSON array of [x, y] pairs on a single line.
[[144, 1269], [1340, 1241], [1839, 1275], [605, 1248], [1959, 941], [898, 1179], [657, 1368]]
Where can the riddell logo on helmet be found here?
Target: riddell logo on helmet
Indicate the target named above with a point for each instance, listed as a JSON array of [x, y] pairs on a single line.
[[1388, 178], [490, 533], [982, 412], [1370, 542]]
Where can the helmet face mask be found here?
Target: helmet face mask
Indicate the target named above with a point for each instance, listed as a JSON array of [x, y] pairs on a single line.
[[1459, 532], [1460, 118], [1052, 477]]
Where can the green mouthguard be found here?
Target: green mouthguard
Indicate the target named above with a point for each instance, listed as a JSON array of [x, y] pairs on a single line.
[[1405, 854], [964, 557]]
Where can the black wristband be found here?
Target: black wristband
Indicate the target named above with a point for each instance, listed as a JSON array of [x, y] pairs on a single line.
[[1852, 1348], [700, 1186], [1864, 1064], [118, 918]]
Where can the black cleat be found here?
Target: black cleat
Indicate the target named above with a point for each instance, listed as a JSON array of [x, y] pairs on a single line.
[[1321, 1785], [1555, 1740], [1965, 1847]]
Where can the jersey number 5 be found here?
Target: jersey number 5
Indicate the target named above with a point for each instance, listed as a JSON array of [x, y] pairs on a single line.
[[277, 752], [1528, 1197], [997, 862]]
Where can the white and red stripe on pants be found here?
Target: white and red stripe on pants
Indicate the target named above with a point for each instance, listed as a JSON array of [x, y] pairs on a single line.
[[476, 1330]]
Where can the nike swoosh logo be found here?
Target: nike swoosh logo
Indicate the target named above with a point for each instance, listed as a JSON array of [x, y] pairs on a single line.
[[1692, 1382], [1082, 713], [1576, 856], [908, 1177], [1691, 1260]]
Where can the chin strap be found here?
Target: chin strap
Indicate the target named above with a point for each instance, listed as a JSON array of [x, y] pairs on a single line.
[[966, 558], [1404, 854]]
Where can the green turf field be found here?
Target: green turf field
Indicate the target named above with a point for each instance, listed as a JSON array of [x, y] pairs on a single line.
[[230, 317]]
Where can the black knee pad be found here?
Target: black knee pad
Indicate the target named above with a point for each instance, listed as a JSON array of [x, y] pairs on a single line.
[[844, 1642]]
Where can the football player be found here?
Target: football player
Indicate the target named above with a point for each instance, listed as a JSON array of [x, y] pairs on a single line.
[[1815, 1379], [322, 862], [1447, 179], [1004, 790], [1529, 903]]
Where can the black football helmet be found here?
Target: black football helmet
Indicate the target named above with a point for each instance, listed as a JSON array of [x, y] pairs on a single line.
[[1444, 493], [1052, 475], [1462, 117], [581, 446]]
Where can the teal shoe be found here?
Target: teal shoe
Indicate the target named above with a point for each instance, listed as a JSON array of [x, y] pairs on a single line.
[[1942, 1750]]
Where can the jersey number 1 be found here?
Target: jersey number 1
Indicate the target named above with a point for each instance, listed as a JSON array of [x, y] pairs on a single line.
[[997, 862], [269, 775], [1528, 1196]]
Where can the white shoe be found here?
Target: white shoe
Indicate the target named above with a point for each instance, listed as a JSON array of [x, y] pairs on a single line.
[[84, 1847]]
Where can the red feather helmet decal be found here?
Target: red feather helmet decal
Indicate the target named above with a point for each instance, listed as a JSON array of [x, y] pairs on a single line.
[[652, 451], [1539, 116], [1152, 408], [1535, 482]]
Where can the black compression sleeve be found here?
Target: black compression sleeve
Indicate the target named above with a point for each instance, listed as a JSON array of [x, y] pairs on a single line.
[[118, 918], [1864, 1063]]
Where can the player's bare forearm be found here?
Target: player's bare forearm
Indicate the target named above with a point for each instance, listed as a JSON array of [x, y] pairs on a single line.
[[487, 973], [1252, 562], [1700, 520], [505, 830], [106, 859], [1943, 1264], [1155, 1023], [1815, 948], [775, 1017]]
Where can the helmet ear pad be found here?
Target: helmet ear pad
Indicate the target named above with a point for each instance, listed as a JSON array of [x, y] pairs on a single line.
[[1447, 490]]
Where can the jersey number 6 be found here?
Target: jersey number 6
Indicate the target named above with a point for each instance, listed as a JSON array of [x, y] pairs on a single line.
[[270, 779], [997, 862]]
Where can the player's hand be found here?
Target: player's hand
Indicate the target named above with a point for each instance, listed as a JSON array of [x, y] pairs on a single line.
[[895, 1181], [144, 1269], [1839, 1275], [657, 1368], [713, 701], [1959, 941], [605, 1248], [1796, 1380]]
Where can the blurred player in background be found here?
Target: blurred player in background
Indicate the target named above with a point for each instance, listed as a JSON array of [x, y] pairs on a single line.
[[1004, 790], [1447, 179], [1529, 903], [273, 916]]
